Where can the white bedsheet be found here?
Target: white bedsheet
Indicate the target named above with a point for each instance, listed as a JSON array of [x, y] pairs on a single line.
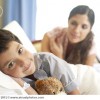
[[9, 87], [87, 78], [96, 66]]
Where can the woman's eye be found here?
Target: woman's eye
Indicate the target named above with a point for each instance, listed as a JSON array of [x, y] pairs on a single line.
[[84, 26], [73, 23], [20, 50], [11, 65]]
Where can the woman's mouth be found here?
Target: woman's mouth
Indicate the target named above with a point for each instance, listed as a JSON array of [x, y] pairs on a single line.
[[74, 36]]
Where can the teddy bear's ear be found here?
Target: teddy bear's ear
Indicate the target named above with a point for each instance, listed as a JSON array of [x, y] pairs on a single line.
[[40, 74]]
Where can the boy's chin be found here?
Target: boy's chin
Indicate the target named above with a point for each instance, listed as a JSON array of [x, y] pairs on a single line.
[[31, 72]]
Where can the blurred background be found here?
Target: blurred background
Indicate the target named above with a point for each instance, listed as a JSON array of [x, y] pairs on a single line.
[[39, 16]]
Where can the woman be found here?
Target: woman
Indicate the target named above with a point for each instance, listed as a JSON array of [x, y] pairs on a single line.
[[74, 43]]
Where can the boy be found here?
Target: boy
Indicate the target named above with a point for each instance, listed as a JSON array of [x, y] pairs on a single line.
[[18, 62]]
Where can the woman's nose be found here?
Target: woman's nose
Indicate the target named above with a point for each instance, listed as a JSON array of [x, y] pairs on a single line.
[[77, 29]]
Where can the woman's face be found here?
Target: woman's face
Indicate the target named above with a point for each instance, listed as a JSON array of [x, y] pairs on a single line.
[[78, 28], [17, 61]]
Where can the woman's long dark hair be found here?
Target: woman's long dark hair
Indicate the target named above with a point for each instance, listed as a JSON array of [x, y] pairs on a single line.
[[80, 51]]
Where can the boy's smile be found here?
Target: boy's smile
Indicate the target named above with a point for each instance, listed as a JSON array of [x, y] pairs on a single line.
[[17, 62]]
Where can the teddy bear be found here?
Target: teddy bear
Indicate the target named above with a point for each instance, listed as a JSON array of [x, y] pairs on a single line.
[[49, 86]]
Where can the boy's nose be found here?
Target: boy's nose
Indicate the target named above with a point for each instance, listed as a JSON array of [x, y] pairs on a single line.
[[22, 61]]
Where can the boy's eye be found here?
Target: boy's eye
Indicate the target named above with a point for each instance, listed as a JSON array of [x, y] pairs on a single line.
[[11, 64], [20, 50]]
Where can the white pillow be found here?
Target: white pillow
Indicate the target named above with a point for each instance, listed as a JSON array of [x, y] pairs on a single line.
[[7, 85], [16, 29]]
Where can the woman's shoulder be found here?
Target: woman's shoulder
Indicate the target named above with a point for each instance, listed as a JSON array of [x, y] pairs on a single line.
[[59, 29], [65, 29], [56, 30]]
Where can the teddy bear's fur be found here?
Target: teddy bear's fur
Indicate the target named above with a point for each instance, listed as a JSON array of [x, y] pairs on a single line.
[[49, 86]]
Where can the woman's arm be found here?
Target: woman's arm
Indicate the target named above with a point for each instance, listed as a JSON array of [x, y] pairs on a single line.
[[74, 92], [45, 47], [55, 41], [56, 47], [91, 60], [47, 39], [28, 90]]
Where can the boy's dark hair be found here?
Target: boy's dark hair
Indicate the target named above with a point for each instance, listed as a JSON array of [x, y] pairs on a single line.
[[5, 38]]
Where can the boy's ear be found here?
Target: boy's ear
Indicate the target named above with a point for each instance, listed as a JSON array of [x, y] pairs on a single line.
[[17, 30]]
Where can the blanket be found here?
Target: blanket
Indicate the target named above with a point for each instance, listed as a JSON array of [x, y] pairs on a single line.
[[87, 78]]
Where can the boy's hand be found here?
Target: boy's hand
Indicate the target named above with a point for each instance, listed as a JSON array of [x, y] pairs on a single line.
[[19, 81], [29, 90]]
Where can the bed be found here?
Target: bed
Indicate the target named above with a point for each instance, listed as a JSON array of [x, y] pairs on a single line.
[[86, 77]]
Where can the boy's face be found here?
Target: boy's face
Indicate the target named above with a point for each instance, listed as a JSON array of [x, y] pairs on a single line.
[[17, 61]]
